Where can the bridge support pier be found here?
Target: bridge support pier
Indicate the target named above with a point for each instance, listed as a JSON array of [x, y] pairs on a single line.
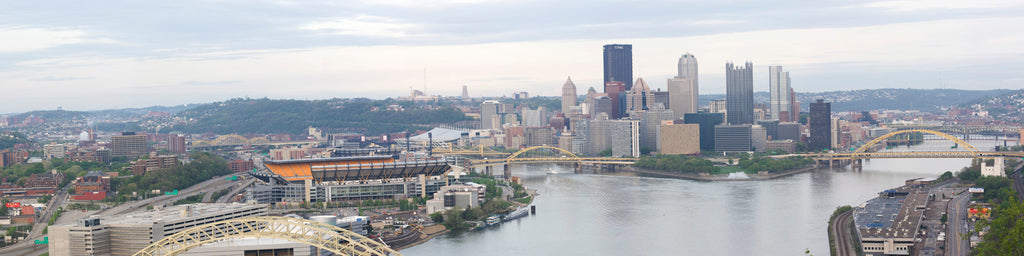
[[857, 165], [577, 168], [507, 171], [489, 170]]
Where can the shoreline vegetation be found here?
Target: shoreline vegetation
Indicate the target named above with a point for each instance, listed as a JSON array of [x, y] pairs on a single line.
[[697, 168]]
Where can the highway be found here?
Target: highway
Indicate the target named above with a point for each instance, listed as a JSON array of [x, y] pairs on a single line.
[[956, 226], [841, 232], [27, 246], [30, 249]]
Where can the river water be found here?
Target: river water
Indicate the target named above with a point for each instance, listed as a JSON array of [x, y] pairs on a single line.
[[622, 214]]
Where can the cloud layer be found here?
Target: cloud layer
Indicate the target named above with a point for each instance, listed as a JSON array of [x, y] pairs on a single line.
[[127, 54]]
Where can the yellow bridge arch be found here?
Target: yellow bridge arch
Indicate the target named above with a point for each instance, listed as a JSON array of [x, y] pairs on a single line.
[[517, 153], [324, 236], [865, 147]]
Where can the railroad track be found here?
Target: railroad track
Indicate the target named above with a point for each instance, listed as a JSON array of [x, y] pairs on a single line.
[[841, 232]]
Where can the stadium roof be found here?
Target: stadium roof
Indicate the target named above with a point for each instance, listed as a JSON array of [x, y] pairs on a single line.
[[440, 134], [359, 168]]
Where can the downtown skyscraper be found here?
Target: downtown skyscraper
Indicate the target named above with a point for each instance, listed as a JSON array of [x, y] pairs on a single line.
[[568, 96], [781, 97], [820, 122], [739, 94], [682, 89], [618, 64]]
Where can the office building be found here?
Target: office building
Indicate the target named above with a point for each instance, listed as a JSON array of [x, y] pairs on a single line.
[[616, 91], [683, 88], [128, 144], [758, 139], [53, 150], [650, 125], [465, 93], [679, 139], [176, 144], [739, 90], [618, 65], [707, 122], [771, 128], [598, 135], [785, 145], [539, 136], [639, 99], [788, 131], [128, 233], [733, 138], [682, 96], [568, 96], [661, 98], [820, 124], [780, 94], [625, 137], [535, 117], [603, 104], [488, 115]]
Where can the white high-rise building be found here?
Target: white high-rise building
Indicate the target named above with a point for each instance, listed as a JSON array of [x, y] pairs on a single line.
[[683, 89], [568, 96], [779, 88], [687, 66]]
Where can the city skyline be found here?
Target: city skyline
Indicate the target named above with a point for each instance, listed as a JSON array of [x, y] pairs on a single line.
[[72, 54]]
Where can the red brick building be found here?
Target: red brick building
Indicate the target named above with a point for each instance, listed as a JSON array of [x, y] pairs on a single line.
[[241, 165]]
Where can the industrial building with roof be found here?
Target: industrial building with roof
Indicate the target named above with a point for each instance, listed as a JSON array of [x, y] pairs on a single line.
[[348, 178], [888, 224], [128, 233]]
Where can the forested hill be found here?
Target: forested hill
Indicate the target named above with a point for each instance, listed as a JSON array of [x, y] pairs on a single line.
[[927, 100], [294, 116]]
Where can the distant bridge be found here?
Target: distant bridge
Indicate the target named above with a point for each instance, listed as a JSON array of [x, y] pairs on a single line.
[[964, 150], [547, 154], [235, 140]]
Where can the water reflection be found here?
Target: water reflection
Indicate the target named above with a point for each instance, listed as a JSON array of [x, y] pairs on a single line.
[[588, 214]]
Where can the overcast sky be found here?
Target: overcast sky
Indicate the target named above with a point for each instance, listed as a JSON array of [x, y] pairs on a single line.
[[90, 55]]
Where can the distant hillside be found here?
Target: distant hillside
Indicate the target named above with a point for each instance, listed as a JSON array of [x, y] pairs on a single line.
[[137, 112], [53, 115], [294, 116], [1006, 107], [891, 99]]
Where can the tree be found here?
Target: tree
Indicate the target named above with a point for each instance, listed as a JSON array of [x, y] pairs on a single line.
[[1005, 230]]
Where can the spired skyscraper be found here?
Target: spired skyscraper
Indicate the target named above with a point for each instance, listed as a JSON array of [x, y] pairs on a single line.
[[739, 94], [682, 89], [618, 64], [568, 96], [781, 99]]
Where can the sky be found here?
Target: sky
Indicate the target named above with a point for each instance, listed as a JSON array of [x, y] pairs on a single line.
[[92, 55]]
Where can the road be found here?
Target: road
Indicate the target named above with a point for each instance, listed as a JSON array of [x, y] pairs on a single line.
[[245, 183], [27, 246], [956, 226], [841, 232], [212, 185], [1018, 184]]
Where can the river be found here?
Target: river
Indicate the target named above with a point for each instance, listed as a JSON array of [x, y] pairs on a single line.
[[623, 214]]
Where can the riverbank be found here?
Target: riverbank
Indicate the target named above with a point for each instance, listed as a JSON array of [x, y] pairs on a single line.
[[721, 177], [427, 233]]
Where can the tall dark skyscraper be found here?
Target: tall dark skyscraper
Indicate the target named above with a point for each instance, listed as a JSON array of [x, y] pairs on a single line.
[[739, 94], [618, 64], [820, 121], [707, 122]]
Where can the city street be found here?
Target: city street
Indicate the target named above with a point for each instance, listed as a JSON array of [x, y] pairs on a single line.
[[957, 226]]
